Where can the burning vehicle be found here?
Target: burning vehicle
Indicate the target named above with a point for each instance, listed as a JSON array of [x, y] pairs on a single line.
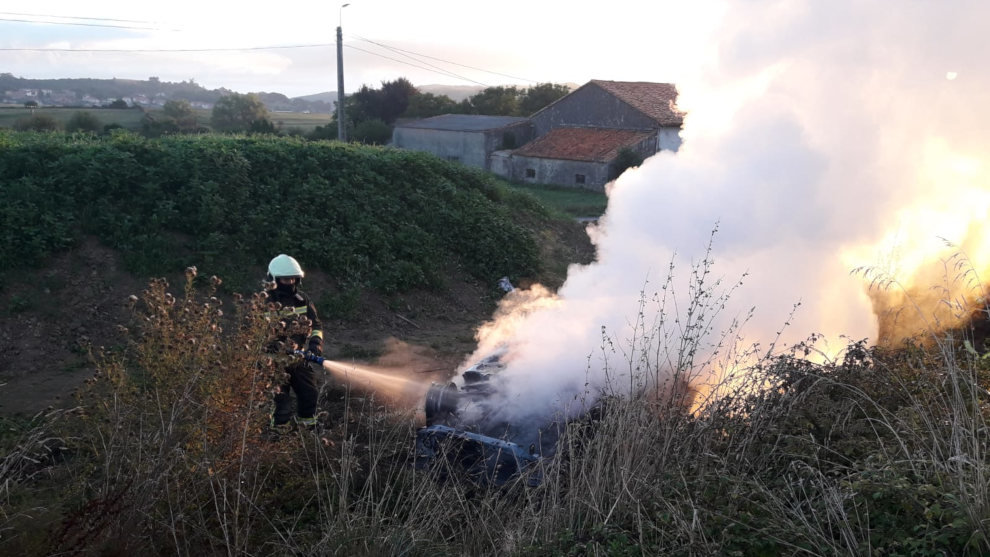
[[478, 426], [468, 428]]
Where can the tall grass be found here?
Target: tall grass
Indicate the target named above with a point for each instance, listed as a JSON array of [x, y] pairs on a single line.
[[877, 451], [569, 201]]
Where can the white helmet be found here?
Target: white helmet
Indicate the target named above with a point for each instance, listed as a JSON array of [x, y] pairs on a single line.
[[284, 266]]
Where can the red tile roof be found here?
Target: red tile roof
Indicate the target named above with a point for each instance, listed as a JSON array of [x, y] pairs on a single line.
[[581, 144], [656, 100]]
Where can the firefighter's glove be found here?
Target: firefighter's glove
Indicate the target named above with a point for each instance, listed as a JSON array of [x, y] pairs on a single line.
[[315, 347]]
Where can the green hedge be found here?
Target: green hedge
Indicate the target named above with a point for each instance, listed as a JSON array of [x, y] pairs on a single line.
[[378, 217]]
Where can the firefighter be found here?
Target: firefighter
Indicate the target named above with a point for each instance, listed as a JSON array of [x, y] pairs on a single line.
[[303, 329]]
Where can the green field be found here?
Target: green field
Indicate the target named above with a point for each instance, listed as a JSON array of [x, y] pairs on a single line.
[[286, 121], [130, 118], [575, 202]]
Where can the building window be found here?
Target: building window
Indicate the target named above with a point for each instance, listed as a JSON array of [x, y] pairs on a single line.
[[531, 173], [579, 178]]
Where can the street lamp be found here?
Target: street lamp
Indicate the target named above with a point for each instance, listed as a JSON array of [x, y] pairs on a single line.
[[341, 134]]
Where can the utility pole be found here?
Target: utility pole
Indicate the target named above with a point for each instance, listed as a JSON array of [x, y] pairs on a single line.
[[341, 134]]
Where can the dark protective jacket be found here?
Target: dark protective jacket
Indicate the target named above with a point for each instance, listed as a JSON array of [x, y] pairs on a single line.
[[294, 306]]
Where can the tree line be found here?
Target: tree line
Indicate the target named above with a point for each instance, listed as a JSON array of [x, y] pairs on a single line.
[[370, 113]]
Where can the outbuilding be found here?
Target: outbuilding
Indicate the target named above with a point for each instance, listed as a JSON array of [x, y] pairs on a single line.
[[465, 138]]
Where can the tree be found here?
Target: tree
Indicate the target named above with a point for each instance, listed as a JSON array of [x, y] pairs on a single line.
[[424, 105], [182, 113], [238, 113], [177, 116], [361, 105], [395, 99], [540, 96], [385, 104], [372, 132], [119, 103], [329, 131], [30, 104], [263, 125], [36, 122], [83, 121], [158, 125], [496, 101], [626, 158]]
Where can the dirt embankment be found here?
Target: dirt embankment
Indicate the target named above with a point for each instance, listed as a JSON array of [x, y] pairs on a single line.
[[80, 297]]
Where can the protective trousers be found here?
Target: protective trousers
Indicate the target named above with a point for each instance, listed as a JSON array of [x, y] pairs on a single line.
[[302, 380]]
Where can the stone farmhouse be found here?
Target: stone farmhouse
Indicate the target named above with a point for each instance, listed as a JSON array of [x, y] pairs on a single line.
[[574, 141]]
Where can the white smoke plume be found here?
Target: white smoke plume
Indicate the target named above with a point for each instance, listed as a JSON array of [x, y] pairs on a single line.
[[820, 137]]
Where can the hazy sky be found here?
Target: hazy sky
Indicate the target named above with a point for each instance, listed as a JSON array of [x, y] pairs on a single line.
[[453, 42]]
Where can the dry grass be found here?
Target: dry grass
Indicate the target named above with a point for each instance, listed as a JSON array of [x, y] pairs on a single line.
[[880, 451]]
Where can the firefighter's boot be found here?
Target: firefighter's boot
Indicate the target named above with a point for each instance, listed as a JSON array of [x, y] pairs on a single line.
[[308, 423]]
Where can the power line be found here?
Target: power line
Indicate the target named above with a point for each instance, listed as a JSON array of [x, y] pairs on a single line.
[[248, 48], [79, 24], [442, 60], [19, 14], [242, 49], [443, 72], [431, 68], [406, 53]]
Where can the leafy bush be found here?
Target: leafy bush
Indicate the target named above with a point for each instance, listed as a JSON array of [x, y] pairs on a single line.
[[372, 132], [370, 217], [83, 121], [37, 122], [627, 158], [239, 113], [326, 131]]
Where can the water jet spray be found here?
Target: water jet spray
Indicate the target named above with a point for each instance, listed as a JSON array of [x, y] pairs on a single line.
[[397, 385]]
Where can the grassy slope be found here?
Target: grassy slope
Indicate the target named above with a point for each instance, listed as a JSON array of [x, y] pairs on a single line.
[[568, 201], [368, 217]]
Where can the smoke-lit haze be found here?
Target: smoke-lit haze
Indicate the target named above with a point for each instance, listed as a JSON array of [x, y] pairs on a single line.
[[821, 137]]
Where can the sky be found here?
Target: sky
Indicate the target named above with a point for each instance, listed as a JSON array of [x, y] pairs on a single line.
[[428, 42]]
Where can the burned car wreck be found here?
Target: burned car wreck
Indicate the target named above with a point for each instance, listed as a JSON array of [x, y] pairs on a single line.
[[468, 429]]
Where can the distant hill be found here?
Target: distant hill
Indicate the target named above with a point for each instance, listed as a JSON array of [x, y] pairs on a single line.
[[327, 97], [154, 92], [455, 92], [461, 92], [151, 92]]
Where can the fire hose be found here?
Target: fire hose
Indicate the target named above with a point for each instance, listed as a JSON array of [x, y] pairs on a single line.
[[309, 356]]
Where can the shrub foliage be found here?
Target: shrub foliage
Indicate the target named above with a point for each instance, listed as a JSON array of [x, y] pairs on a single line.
[[375, 217]]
